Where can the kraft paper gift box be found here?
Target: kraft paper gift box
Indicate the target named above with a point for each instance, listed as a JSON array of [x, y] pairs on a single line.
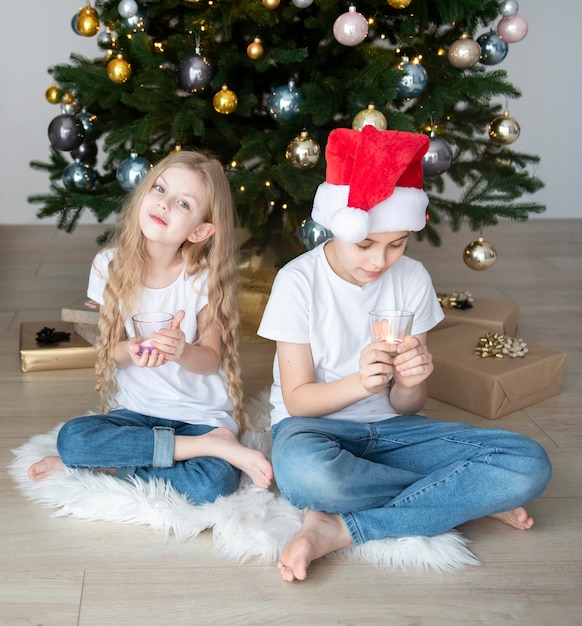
[[496, 316], [490, 387], [75, 353]]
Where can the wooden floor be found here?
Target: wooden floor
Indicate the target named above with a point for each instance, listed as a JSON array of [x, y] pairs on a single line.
[[66, 572]]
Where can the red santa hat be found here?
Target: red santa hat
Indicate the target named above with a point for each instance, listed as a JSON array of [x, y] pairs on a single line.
[[373, 183]]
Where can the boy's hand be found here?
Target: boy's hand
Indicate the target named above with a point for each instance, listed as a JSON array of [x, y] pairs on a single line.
[[375, 367], [413, 363]]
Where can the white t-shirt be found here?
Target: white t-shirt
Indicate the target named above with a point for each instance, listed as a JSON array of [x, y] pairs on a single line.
[[311, 304], [169, 391]]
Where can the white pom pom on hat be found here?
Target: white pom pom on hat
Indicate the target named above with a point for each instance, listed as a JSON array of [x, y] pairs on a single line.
[[373, 183]]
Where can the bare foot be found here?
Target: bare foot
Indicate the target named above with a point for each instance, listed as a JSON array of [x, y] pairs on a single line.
[[518, 518], [45, 467], [320, 534], [223, 443]]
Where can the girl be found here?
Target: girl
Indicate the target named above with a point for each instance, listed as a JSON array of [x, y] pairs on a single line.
[[178, 407]]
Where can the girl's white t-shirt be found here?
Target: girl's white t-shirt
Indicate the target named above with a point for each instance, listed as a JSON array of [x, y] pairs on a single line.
[[169, 391], [311, 304]]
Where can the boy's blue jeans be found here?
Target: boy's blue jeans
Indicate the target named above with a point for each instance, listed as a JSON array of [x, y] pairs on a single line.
[[143, 446], [409, 475]]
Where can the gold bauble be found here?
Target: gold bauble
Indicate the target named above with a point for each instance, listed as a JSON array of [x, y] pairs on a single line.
[[479, 255], [88, 21], [118, 69], [464, 52], [68, 97], [225, 101], [504, 130], [369, 117], [303, 152], [255, 49], [271, 4], [399, 4], [53, 94]]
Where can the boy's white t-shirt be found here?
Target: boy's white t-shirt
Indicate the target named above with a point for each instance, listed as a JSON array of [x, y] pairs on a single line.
[[311, 304], [169, 391]]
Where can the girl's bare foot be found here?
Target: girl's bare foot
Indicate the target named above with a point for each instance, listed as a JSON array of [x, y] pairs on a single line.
[[223, 443], [518, 518], [45, 467], [321, 533]]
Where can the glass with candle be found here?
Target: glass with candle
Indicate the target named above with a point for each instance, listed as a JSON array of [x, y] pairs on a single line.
[[390, 327], [145, 324]]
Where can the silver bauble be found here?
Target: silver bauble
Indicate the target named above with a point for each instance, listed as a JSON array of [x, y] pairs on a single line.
[[508, 8], [127, 8], [302, 4], [438, 157], [195, 73], [285, 101], [414, 81], [493, 48], [479, 255], [303, 152]]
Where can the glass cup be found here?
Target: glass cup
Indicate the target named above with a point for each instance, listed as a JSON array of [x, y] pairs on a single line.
[[144, 324], [390, 326]]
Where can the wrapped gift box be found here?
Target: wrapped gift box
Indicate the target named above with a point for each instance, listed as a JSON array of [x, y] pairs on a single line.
[[491, 387], [85, 319], [495, 316], [74, 353]]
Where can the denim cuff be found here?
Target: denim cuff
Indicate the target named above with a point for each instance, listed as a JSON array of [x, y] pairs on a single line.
[[163, 447], [352, 528]]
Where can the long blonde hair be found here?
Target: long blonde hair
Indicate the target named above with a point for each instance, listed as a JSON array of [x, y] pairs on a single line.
[[219, 254]]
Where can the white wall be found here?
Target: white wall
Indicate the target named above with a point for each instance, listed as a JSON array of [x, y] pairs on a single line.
[[544, 65]]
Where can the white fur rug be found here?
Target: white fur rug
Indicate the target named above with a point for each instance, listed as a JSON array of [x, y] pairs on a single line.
[[249, 523]]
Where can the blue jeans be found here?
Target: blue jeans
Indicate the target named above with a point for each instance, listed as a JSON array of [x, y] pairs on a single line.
[[409, 475], [143, 446]]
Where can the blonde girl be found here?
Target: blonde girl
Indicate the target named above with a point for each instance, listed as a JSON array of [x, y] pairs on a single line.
[[175, 411]]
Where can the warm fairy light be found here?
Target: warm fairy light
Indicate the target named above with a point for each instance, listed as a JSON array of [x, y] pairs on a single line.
[[284, 207], [272, 203], [268, 183], [159, 46], [233, 164], [242, 188]]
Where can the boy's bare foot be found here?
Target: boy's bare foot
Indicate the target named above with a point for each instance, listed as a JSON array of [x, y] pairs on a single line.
[[45, 467], [321, 533], [518, 518], [223, 443]]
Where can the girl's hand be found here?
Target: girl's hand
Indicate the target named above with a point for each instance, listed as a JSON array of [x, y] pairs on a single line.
[[147, 358], [413, 363], [171, 341], [375, 367]]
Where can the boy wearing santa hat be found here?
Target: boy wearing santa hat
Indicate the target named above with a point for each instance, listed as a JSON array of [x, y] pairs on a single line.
[[349, 446]]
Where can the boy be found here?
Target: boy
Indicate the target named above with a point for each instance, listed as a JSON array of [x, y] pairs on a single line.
[[349, 446]]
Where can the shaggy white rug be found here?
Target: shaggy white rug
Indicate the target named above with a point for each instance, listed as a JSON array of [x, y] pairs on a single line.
[[249, 523]]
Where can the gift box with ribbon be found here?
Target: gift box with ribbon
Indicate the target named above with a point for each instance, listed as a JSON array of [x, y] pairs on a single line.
[[496, 316], [53, 346], [491, 374]]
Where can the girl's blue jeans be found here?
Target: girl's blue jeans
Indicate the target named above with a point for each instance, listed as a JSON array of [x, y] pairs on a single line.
[[409, 475], [143, 446]]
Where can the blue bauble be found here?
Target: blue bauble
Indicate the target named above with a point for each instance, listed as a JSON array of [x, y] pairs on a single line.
[[493, 48], [311, 234], [66, 132], [284, 102], [413, 83], [87, 119], [79, 177], [74, 24], [195, 73], [131, 171]]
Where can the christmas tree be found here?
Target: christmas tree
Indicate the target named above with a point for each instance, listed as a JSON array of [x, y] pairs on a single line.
[[261, 83]]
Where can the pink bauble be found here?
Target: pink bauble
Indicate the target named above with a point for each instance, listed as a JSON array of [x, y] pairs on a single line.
[[350, 28], [512, 29]]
